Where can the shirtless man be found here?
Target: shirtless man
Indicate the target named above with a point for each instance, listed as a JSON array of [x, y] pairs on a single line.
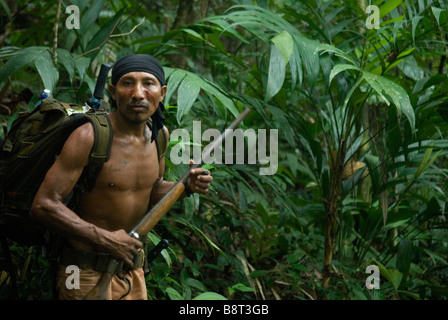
[[129, 182]]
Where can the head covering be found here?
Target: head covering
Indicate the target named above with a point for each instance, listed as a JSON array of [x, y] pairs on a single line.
[[143, 63], [138, 62]]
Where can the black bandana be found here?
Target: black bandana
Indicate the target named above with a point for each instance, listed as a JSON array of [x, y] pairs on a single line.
[[143, 63]]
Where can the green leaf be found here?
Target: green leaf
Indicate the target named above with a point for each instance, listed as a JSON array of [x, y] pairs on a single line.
[[388, 6], [177, 76], [340, 68], [225, 27], [203, 235], [210, 296], [404, 256], [6, 9], [281, 117], [66, 59], [399, 96], [392, 275], [81, 65], [437, 12], [240, 287], [22, 58], [155, 240], [425, 163], [415, 21], [174, 80], [340, 53], [309, 50], [187, 94], [47, 70], [372, 162], [411, 69], [192, 33], [285, 44], [396, 223], [173, 294], [91, 15], [436, 257], [11, 119], [412, 295], [193, 283], [102, 35], [300, 267], [276, 76], [395, 278], [258, 273], [219, 94]]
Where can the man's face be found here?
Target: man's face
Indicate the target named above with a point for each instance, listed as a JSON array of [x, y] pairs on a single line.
[[137, 95]]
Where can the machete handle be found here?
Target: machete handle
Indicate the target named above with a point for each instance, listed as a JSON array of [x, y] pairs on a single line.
[[154, 253], [101, 82], [99, 292]]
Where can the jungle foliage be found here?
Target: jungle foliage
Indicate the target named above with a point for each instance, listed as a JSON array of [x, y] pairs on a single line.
[[361, 115]]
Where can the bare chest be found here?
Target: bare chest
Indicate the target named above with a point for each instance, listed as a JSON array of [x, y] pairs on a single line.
[[131, 167]]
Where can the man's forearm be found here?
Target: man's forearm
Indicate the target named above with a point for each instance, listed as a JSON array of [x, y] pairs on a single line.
[[161, 188], [55, 216]]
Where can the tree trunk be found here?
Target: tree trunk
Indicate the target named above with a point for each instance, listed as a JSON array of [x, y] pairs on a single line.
[[185, 14], [331, 209]]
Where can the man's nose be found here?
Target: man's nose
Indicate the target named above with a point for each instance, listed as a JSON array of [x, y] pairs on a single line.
[[138, 91]]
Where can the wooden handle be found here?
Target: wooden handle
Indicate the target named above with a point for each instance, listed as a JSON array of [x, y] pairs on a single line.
[[99, 292], [159, 210]]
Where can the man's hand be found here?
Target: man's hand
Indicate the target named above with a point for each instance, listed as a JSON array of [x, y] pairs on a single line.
[[200, 180], [122, 246]]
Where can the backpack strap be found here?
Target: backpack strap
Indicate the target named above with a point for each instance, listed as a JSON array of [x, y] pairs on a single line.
[[162, 143], [100, 151]]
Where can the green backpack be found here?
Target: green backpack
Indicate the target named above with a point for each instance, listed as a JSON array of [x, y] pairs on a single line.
[[30, 149]]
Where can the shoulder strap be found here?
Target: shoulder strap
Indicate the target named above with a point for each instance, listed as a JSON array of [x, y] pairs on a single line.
[[100, 151], [103, 136], [161, 142]]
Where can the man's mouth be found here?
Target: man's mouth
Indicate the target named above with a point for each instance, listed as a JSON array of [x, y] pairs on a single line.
[[139, 107]]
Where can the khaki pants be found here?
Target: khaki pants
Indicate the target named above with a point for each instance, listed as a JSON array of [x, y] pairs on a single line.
[[126, 285]]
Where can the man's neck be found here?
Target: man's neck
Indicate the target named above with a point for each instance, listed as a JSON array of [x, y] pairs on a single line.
[[126, 127]]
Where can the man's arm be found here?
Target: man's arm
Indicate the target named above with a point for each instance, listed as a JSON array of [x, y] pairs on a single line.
[[198, 183], [49, 209]]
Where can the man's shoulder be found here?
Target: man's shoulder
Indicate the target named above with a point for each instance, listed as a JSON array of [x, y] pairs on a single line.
[[84, 135], [84, 131]]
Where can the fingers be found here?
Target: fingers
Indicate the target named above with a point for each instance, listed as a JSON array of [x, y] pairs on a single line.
[[200, 180], [133, 250], [201, 173], [125, 247]]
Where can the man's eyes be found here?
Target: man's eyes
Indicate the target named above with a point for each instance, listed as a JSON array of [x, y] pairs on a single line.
[[131, 83]]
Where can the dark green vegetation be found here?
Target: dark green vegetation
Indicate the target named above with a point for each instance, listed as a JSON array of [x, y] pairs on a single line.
[[361, 113]]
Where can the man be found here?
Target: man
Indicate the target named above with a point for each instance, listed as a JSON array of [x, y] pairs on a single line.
[[129, 182]]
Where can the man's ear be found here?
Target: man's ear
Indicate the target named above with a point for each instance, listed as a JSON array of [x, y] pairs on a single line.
[[112, 91], [163, 91]]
